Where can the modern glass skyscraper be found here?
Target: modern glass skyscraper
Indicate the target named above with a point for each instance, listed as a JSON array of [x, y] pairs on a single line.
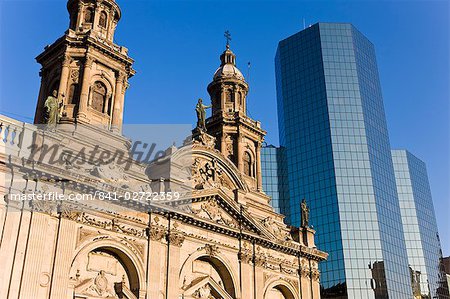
[[274, 180], [419, 225], [333, 126]]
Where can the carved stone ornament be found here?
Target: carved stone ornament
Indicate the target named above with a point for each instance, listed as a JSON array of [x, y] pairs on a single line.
[[176, 239], [157, 232], [246, 254], [110, 173], [211, 250], [101, 287], [205, 174], [75, 75], [205, 140], [212, 211], [305, 272], [49, 207], [203, 293], [315, 274]]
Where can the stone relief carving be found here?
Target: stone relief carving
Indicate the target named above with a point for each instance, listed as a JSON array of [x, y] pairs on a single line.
[[272, 226], [111, 173], [111, 225], [203, 293], [211, 210], [205, 140], [101, 287], [211, 250], [176, 238]]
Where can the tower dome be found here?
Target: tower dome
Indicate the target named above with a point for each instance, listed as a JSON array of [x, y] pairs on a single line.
[[228, 67]]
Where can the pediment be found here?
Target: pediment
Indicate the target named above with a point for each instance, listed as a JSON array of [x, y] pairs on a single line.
[[206, 288], [217, 207]]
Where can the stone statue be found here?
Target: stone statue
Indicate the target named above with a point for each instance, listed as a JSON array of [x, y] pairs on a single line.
[[305, 214], [53, 106], [201, 115]]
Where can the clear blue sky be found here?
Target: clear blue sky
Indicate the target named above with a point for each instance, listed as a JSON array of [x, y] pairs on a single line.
[[177, 45]]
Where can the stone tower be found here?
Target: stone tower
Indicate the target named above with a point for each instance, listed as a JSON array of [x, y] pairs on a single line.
[[238, 137], [86, 68]]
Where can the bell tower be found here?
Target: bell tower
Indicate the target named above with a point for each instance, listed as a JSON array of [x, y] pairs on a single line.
[[86, 68], [238, 137]]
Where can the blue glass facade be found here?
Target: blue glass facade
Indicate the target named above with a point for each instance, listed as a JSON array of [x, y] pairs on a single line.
[[274, 180], [333, 127], [419, 225]]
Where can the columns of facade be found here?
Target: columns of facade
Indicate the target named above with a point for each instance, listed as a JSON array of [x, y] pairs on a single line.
[[259, 280], [258, 166], [117, 115], [79, 15], [223, 144], [38, 260], [315, 285], [246, 270], [157, 258], [39, 115], [175, 241], [12, 253], [305, 281], [84, 95], [240, 149], [65, 244], [62, 91], [8, 250], [223, 97], [96, 15]]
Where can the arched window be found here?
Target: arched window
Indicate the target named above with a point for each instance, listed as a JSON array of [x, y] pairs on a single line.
[[99, 96], [89, 15], [74, 95], [229, 96], [103, 19], [248, 164]]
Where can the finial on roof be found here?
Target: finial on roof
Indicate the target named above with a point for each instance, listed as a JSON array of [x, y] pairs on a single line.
[[227, 35]]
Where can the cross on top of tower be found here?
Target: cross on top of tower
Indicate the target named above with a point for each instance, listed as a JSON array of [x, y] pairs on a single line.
[[227, 35]]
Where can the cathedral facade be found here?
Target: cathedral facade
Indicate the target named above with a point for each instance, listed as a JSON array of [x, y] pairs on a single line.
[[219, 239]]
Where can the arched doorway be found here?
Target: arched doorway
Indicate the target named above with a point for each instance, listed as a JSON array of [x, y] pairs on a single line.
[[209, 278], [104, 272], [279, 291]]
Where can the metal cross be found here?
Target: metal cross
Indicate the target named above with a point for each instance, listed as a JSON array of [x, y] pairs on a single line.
[[228, 37]]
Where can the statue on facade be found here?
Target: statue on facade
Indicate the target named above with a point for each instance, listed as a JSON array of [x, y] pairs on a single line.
[[200, 109], [53, 106], [305, 214]]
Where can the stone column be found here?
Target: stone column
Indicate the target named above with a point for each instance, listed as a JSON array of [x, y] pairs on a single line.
[[258, 166], [96, 15], [38, 259], [84, 96], [66, 242], [62, 91], [315, 283], [175, 241], [157, 258], [117, 115], [39, 117], [240, 152], [79, 16], [223, 144], [12, 250], [248, 273], [305, 280], [259, 278]]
